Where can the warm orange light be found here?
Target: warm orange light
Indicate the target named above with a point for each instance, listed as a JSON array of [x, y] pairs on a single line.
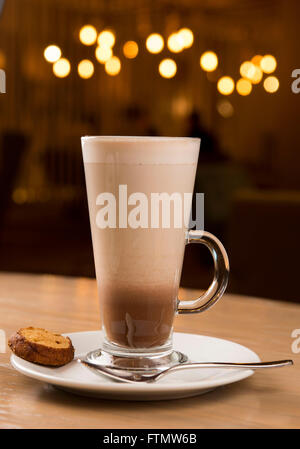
[[61, 68], [103, 54], [225, 85], [271, 84], [85, 69], [130, 49], [243, 86], [256, 60], [52, 53], [187, 36], [209, 61], [181, 106], [155, 43], [106, 38], [251, 70], [88, 35], [268, 64], [257, 77], [113, 66], [175, 43], [167, 68], [247, 69], [225, 108]]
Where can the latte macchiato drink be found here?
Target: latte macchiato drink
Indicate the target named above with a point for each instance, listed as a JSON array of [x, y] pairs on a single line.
[[138, 259]]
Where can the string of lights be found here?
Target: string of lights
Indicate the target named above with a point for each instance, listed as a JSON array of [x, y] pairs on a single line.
[[251, 72]]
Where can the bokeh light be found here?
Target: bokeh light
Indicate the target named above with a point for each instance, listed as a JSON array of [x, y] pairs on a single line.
[[225, 108], [268, 64], [20, 195], [103, 54], [52, 53], [257, 77], [61, 68], [113, 66], [88, 35], [243, 86], [247, 69], [251, 70], [209, 61], [256, 60], [187, 36], [106, 38], [130, 49], [181, 106], [175, 43], [155, 43], [167, 68], [225, 85], [271, 84], [85, 69]]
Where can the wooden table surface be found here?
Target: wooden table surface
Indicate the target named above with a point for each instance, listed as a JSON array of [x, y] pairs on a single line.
[[269, 399]]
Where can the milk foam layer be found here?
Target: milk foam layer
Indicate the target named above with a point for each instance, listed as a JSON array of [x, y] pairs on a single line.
[[140, 150]]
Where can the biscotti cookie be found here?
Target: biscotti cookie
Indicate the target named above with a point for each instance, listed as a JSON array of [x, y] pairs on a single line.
[[41, 346]]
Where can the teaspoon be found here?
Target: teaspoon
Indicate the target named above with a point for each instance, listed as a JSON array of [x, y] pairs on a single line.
[[125, 375]]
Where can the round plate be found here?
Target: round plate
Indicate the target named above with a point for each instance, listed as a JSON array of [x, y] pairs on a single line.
[[78, 379]]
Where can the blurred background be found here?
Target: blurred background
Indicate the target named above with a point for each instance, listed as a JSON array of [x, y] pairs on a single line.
[[217, 69]]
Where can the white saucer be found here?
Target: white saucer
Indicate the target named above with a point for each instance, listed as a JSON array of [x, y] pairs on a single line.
[[78, 379]]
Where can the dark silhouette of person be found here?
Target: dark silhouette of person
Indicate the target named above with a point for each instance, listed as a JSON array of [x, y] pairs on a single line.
[[210, 151], [140, 121]]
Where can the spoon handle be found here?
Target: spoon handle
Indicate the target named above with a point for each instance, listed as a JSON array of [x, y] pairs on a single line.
[[224, 365], [256, 365]]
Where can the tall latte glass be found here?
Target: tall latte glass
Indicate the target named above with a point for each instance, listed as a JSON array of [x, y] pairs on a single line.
[[139, 193]]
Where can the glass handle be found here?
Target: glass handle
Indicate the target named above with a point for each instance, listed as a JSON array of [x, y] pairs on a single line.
[[220, 280]]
